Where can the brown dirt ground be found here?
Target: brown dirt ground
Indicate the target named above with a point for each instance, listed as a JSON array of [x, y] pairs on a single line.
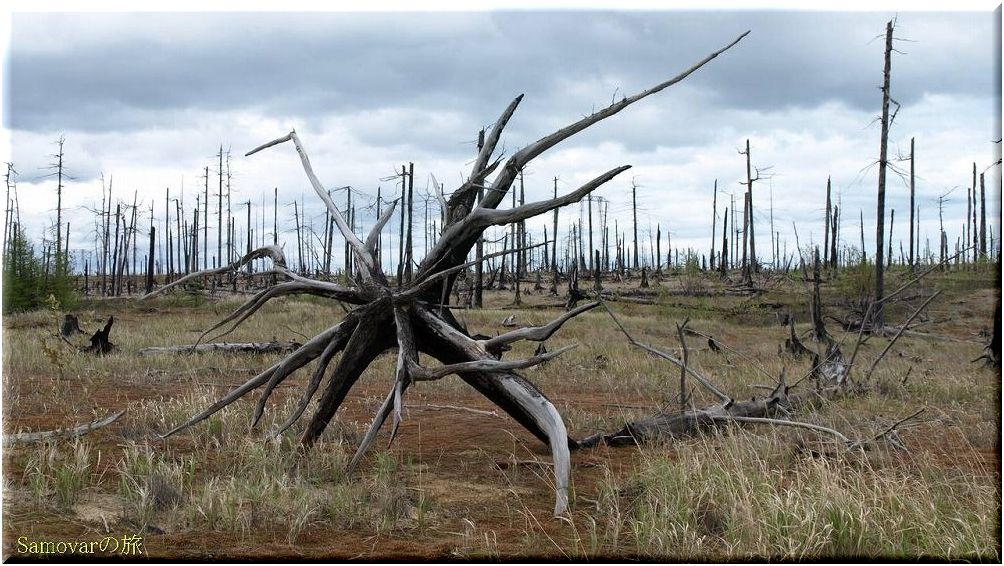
[[466, 461]]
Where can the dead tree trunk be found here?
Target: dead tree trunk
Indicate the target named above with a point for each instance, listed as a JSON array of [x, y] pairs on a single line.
[[219, 215], [149, 265], [912, 205], [877, 317], [115, 249], [983, 219], [205, 224], [725, 244], [833, 239], [753, 265], [714, 220], [816, 305], [975, 236], [634, 216], [411, 318], [107, 213], [747, 278], [892, 222], [658, 250], [826, 226]]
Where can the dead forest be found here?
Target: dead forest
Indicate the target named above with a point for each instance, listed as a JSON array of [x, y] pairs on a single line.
[[596, 384]]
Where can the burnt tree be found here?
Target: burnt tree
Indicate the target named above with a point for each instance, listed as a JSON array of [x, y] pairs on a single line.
[[411, 317]]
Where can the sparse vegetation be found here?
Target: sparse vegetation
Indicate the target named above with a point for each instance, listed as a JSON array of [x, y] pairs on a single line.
[[753, 493], [772, 437]]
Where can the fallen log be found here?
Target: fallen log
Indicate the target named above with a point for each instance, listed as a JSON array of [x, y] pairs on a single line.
[[240, 348], [830, 376], [74, 432], [687, 422]]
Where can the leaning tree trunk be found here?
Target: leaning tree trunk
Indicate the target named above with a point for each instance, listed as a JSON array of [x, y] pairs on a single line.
[[410, 316]]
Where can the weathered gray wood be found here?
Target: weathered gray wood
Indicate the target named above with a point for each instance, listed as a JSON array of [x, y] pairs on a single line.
[[415, 316], [72, 432], [535, 333], [419, 373], [233, 347]]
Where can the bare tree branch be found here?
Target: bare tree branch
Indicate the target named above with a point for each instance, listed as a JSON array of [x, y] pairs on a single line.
[[700, 378], [419, 373], [272, 252], [362, 254], [874, 364], [374, 236], [301, 357], [535, 333]]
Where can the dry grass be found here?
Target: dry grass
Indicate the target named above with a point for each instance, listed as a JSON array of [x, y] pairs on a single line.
[[752, 493]]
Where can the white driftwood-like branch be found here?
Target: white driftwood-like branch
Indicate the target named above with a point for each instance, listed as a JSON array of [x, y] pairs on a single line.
[[302, 286], [491, 141], [437, 188], [301, 357], [525, 155], [456, 235], [240, 347], [72, 432], [547, 418], [507, 216], [521, 400], [362, 254], [782, 422], [428, 281], [419, 373], [374, 236], [272, 252], [335, 345], [535, 333], [407, 354]]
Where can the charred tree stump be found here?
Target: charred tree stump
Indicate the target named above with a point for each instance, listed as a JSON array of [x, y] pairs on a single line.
[[410, 316], [792, 345], [574, 294], [992, 351], [597, 284], [819, 333], [70, 326], [100, 344]]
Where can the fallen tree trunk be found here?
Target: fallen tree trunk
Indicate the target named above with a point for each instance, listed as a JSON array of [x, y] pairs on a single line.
[[74, 432], [682, 423], [829, 375], [240, 348]]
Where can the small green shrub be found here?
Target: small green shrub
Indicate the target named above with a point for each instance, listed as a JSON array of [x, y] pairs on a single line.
[[27, 283]]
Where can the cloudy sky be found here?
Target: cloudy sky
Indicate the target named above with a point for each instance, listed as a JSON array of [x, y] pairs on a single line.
[[147, 99]]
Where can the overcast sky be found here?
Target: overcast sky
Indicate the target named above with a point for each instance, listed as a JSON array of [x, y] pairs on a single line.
[[147, 99]]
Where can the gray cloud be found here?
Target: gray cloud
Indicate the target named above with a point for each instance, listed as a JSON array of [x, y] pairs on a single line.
[[149, 97], [310, 64]]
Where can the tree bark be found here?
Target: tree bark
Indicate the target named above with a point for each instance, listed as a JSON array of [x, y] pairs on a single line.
[[877, 317]]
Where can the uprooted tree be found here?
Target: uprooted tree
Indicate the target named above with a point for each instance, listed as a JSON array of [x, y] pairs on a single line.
[[415, 318]]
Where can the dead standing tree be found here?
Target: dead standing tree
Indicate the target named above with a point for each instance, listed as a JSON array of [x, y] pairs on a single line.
[[411, 317]]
